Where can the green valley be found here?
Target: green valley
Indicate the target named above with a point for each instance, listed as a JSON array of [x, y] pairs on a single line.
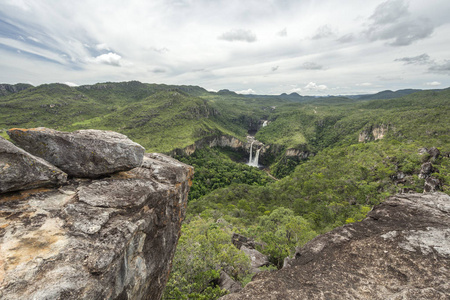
[[326, 160]]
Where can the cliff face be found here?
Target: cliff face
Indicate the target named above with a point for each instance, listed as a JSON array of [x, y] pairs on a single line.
[[212, 141], [108, 238], [400, 251]]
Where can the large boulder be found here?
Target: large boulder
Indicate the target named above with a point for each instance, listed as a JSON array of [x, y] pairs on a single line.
[[20, 170], [110, 238], [83, 153], [227, 283], [400, 251], [257, 259]]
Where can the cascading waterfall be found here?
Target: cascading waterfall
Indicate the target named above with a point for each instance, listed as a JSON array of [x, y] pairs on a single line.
[[253, 162]]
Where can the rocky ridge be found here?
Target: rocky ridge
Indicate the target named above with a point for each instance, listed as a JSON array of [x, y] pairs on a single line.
[[400, 251], [108, 238]]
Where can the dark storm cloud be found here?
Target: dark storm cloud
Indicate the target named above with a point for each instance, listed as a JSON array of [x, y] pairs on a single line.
[[238, 35], [422, 59], [392, 22]]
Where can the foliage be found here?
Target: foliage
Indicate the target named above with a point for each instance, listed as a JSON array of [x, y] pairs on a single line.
[[214, 169], [204, 249]]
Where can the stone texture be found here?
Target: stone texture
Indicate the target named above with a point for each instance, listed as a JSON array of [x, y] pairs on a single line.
[[83, 153], [257, 258], [373, 133], [225, 282], [112, 238], [434, 152], [400, 251], [20, 170]]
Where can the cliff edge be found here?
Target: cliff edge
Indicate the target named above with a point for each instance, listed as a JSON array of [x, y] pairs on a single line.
[[400, 251], [111, 237]]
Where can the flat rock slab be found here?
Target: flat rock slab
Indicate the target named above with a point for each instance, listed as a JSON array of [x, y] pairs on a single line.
[[83, 153], [400, 251], [110, 238], [20, 170]]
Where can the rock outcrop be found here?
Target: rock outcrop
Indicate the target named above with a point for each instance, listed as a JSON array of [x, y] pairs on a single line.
[[373, 133], [6, 89], [20, 170], [432, 184], [227, 283], [247, 245], [400, 251], [108, 238], [83, 153], [257, 259], [211, 141]]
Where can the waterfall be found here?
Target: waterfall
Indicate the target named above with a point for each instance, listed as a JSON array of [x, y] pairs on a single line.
[[251, 155], [264, 124], [253, 162]]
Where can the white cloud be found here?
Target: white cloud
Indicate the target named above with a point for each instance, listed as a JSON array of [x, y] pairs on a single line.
[[323, 32], [433, 83], [102, 46], [282, 33], [79, 42], [238, 35], [311, 66], [161, 50], [110, 58], [295, 90], [364, 84], [312, 86], [246, 92], [33, 39], [393, 22], [70, 83]]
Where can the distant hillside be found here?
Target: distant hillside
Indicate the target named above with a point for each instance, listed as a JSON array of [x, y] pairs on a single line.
[[388, 94], [6, 89]]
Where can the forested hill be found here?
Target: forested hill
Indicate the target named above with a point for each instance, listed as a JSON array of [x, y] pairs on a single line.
[[334, 158]]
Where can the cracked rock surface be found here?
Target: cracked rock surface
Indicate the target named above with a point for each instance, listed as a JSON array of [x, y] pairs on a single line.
[[111, 238], [20, 170], [83, 153], [400, 251]]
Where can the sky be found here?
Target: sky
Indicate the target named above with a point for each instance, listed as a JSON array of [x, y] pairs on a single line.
[[311, 47]]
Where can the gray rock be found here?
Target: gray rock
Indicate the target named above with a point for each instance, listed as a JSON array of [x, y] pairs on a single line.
[[94, 239], [225, 282], [432, 185], [425, 170], [20, 170], [257, 258], [400, 251], [239, 240], [84, 153], [434, 152]]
